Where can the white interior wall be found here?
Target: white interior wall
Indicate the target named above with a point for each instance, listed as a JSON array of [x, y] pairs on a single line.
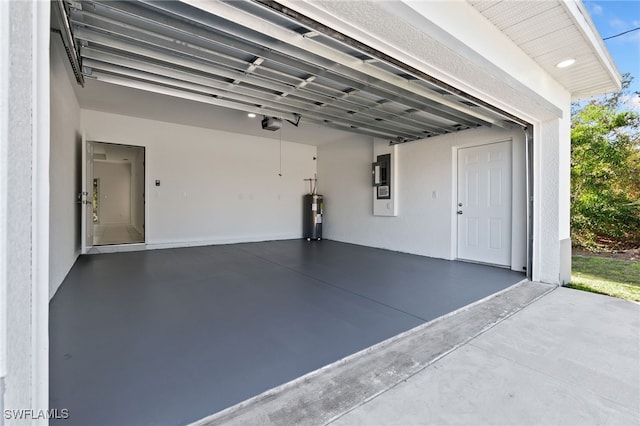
[[114, 192], [64, 239], [215, 186], [425, 194]]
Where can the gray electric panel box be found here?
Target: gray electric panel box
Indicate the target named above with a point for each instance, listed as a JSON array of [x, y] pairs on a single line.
[[313, 212], [381, 173]]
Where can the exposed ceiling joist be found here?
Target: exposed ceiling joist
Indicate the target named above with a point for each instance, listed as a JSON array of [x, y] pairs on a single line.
[[245, 56], [376, 77], [62, 25], [171, 91]]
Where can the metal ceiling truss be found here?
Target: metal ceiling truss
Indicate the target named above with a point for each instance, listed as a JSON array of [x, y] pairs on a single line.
[[255, 56], [62, 26]]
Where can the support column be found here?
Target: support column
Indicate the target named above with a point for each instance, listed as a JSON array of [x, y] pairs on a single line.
[[4, 144], [24, 209], [564, 219], [552, 244]]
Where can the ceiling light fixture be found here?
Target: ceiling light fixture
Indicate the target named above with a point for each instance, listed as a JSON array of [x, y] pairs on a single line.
[[251, 115], [566, 63]]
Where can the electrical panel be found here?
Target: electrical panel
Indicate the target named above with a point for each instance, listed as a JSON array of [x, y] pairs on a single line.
[[381, 174]]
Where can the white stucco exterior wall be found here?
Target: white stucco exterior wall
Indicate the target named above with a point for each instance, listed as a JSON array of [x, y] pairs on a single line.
[[552, 178], [564, 195], [26, 206]]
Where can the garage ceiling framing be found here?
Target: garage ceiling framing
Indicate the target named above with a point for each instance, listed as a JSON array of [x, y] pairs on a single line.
[[253, 56]]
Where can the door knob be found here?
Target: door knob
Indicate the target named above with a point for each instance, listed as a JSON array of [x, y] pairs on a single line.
[[459, 211]]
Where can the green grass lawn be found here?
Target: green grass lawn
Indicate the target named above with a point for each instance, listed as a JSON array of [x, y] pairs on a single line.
[[613, 277]]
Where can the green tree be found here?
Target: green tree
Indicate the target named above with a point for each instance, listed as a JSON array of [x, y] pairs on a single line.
[[605, 172]]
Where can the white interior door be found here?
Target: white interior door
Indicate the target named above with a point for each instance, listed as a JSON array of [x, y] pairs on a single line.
[[484, 203], [86, 197]]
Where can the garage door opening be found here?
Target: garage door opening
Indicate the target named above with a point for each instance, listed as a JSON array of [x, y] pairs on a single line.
[[264, 58], [232, 321]]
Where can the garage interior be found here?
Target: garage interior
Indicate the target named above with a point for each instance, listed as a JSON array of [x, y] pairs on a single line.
[[170, 336]]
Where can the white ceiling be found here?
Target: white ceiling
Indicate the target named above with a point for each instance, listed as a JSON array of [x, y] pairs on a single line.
[[113, 153], [115, 99]]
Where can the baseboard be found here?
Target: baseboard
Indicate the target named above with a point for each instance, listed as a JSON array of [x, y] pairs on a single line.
[[218, 241], [160, 245]]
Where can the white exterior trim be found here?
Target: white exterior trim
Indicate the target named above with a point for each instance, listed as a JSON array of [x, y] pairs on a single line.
[[4, 142], [24, 198], [40, 207]]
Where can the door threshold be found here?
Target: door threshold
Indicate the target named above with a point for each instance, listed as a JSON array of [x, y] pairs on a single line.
[[117, 248], [495, 265]]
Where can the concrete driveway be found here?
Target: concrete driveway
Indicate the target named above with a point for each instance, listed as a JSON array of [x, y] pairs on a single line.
[[533, 354]]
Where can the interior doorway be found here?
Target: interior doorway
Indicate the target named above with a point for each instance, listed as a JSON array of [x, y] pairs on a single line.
[[117, 193]]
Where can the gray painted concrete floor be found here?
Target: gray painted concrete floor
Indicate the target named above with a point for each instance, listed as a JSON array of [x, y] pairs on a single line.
[[568, 358], [171, 336]]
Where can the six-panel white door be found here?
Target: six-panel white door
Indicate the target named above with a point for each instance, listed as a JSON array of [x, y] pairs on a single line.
[[484, 204]]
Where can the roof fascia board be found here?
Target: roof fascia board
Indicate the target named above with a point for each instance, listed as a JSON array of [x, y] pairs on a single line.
[[578, 13]]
